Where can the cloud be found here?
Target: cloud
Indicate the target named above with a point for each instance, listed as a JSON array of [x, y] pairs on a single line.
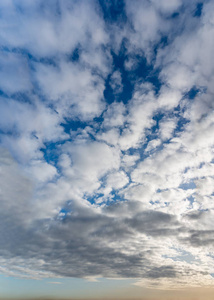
[[106, 127], [15, 75], [116, 82], [74, 90], [49, 26]]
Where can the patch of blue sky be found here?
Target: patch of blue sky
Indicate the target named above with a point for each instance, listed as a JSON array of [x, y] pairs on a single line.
[[192, 92], [63, 214], [181, 124], [191, 200], [75, 55], [73, 125], [195, 91], [51, 152], [113, 10], [163, 42], [151, 135], [160, 190], [157, 118], [96, 198], [155, 202], [179, 12], [198, 11], [59, 287], [131, 151], [97, 121], [188, 186], [51, 61], [22, 97], [99, 198], [175, 15], [128, 86], [113, 197], [184, 256], [143, 72], [4, 94], [76, 125], [116, 196]]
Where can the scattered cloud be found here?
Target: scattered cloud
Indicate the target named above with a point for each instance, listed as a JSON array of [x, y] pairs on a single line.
[[106, 128]]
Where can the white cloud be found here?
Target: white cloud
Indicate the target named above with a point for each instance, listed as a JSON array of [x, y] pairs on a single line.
[[50, 28], [166, 128], [116, 82], [141, 109], [114, 115], [74, 90], [14, 73], [117, 180]]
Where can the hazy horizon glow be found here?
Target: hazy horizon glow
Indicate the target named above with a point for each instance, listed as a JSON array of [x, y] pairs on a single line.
[[107, 149]]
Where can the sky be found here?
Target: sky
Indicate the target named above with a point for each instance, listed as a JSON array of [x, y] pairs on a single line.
[[107, 149]]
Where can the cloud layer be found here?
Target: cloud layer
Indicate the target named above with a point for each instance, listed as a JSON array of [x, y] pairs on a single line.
[[106, 125]]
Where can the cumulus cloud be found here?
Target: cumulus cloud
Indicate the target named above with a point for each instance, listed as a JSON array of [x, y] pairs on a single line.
[[116, 82], [106, 127]]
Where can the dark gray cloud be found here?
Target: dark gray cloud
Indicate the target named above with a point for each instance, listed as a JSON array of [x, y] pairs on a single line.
[[200, 238], [154, 223]]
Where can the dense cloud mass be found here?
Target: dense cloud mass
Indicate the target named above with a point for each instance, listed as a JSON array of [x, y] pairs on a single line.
[[107, 140]]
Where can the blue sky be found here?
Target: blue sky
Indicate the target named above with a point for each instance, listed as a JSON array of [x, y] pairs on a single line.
[[106, 155]]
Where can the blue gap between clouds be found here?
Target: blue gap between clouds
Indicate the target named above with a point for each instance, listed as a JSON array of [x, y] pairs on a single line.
[[65, 212], [128, 86], [142, 73], [113, 11], [177, 112], [50, 152], [198, 11], [113, 198], [75, 55], [192, 93], [73, 125], [185, 256], [175, 15], [161, 44]]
